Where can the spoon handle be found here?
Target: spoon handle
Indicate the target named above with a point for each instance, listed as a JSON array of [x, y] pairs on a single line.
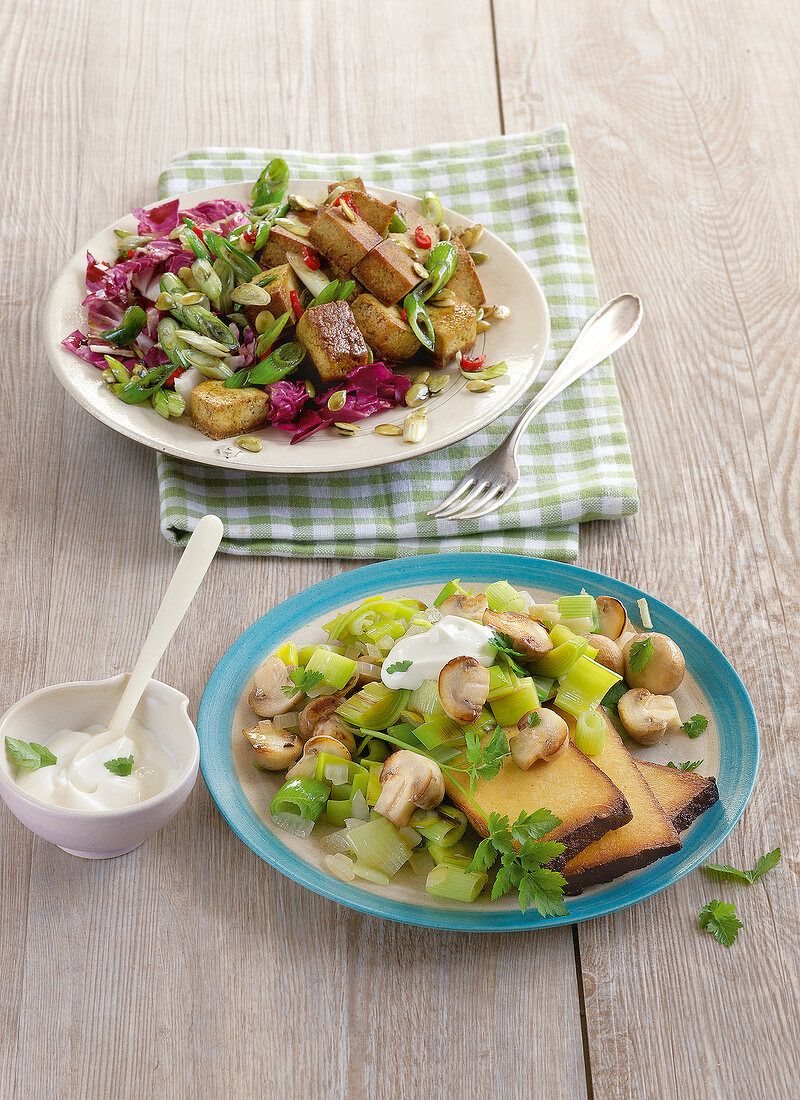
[[192, 567]]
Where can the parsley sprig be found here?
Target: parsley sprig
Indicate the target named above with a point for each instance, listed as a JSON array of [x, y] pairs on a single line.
[[400, 666], [696, 725], [504, 645], [640, 654], [484, 761], [302, 680], [523, 856], [686, 766], [719, 918], [764, 864], [120, 765], [29, 755]]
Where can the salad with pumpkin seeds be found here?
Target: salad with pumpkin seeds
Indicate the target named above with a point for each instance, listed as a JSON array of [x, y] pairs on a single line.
[[288, 313]]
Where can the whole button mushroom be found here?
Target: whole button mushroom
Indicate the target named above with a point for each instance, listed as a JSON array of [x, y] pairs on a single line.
[[275, 749], [267, 697], [545, 739], [647, 717], [609, 655], [463, 688], [665, 669], [408, 782]]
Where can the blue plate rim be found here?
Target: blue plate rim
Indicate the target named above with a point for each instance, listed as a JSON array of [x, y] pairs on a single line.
[[227, 681]]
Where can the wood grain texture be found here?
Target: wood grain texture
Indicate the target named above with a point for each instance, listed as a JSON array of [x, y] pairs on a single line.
[[190, 968], [681, 115]]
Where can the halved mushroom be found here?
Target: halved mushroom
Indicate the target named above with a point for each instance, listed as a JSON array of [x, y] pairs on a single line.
[[408, 782], [266, 696], [546, 739], [647, 717], [665, 669], [275, 749], [463, 688], [527, 636], [612, 617], [609, 655], [307, 764], [465, 607]]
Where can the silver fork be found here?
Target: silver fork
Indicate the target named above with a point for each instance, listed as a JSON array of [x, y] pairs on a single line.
[[491, 481]]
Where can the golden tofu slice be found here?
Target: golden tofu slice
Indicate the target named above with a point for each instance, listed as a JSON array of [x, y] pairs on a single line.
[[383, 328], [374, 212], [355, 183], [340, 240], [454, 330], [387, 272], [683, 796], [415, 220], [279, 244], [332, 339], [279, 290], [219, 412], [464, 281], [648, 837], [570, 786]]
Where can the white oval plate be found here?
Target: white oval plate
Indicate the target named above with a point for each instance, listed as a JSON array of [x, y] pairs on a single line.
[[521, 341]]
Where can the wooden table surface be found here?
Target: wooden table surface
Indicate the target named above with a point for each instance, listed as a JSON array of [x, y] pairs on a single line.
[[189, 968]]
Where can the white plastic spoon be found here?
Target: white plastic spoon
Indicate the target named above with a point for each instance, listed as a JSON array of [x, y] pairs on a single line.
[[193, 566]]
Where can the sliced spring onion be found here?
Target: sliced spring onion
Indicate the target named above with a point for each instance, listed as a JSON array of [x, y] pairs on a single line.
[[575, 607], [378, 844], [370, 874], [590, 732], [432, 208], [304, 797], [444, 826], [436, 730], [502, 596], [510, 708], [560, 660], [294, 823], [314, 281], [502, 681], [336, 669], [544, 686], [375, 706], [644, 611], [450, 882], [288, 654], [584, 686], [560, 633], [425, 699], [421, 862], [286, 721]]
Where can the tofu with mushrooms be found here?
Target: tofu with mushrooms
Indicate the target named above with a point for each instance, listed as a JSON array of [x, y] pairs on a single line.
[[341, 241], [332, 339], [219, 412], [387, 272], [464, 281], [384, 329], [454, 330]]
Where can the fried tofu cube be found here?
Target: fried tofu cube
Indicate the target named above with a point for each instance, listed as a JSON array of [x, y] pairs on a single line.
[[279, 244], [390, 338], [374, 212], [414, 220], [355, 183], [332, 339], [464, 281], [454, 330], [219, 412], [387, 272], [279, 289], [341, 241]]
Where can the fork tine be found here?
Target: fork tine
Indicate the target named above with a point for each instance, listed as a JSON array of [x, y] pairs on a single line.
[[454, 511], [488, 503], [466, 483]]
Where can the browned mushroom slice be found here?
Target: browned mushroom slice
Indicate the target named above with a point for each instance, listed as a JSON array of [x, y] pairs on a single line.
[[465, 607], [528, 637], [267, 697], [543, 735], [408, 782], [463, 688], [612, 617], [275, 749]]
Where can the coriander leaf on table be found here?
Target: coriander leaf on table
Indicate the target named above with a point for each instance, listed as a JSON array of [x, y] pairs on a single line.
[[400, 666], [28, 755], [719, 918], [686, 766], [764, 864], [640, 654], [696, 725], [120, 765], [302, 680]]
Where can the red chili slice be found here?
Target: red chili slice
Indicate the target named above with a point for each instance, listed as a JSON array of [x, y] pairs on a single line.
[[250, 235], [422, 238], [298, 309], [310, 258], [403, 313], [175, 374], [476, 363]]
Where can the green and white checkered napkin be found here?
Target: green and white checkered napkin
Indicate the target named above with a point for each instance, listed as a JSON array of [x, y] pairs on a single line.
[[575, 459]]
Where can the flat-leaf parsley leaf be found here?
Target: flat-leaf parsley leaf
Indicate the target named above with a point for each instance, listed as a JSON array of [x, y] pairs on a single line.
[[523, 856], [686, 766], [303, 680], [504, 645], [696, 725], [765, 863], [640, 655], [719, 918], [28, 755], [484, 761], [400, 666], [120, 765]]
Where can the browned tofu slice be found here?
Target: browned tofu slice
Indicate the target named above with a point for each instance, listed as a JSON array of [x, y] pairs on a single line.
[[385, 331], [464, 281], [355, 183], [414, 220], [454, 330], [279, 244], [683, 796], [388, 272], [341, 241], [219, 412], [332, 339], [279, 289], [374, 212]]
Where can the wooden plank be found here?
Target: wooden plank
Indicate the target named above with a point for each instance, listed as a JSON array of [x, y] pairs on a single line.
[[682, 118], [189, 967]]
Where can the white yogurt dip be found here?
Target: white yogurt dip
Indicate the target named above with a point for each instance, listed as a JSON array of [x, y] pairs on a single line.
[[430, 651], [80, 780]]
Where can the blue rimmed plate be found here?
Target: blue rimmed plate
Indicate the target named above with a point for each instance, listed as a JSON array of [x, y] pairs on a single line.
[[729, 747]]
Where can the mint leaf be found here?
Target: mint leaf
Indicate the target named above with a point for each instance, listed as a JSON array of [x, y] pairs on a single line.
[[28, 755], [640, 655], [719, 918], [302, 681], [696, 725], [120, 765], [400, 666], [686, 766], [765, 863]]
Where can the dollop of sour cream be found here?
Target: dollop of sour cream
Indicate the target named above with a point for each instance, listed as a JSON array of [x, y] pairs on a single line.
[[80, 780], [430, 651]]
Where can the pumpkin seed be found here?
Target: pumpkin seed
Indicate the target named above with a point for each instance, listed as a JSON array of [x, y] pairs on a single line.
[[420, 270], [292, 226], [444, 298], [346, 429], [482, 326], [186, 275], [478, 385], [263, 321], [336, 400], [502, 313], [203, 343], [389, 429], [164, 301], [310, 388], [458, 357], [239, 319], [334, 195], [423, 376], [471, 235], [438, 383], [110, 377], [193, 298], [348, 212], [416, 395], [415, 427], [479, 315], [300, 202], [250, 294], [478, 257], [445, 232], [406, 246], [249, 443], [370, 355]]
